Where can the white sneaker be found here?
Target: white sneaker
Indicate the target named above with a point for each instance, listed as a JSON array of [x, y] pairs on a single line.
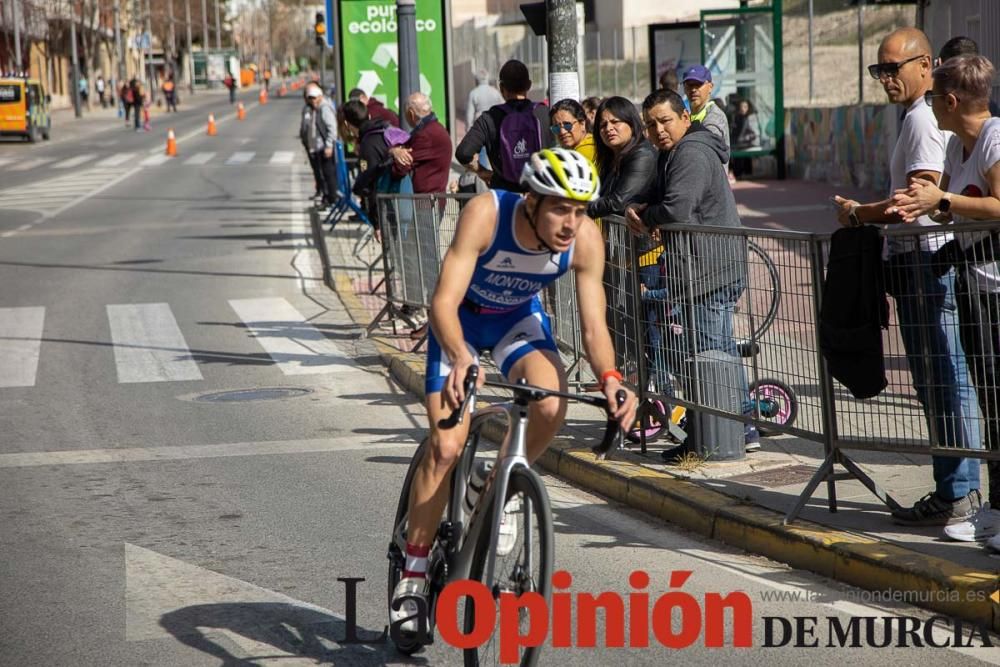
[[408, 587], [982, 525], [508, 527]]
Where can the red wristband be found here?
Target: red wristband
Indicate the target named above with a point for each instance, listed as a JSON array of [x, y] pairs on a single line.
[[613, 373]]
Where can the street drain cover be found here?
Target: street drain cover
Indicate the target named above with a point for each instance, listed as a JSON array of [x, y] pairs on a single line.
[[260, 394], [775, 477]]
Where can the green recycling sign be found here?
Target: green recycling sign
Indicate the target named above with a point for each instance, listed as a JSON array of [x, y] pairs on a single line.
[[370, 53]]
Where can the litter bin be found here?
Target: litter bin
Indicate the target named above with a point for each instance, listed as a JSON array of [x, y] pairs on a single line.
[[718, 376]]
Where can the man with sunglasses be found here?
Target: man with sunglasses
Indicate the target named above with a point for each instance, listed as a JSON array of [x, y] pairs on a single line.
[[925, 303]]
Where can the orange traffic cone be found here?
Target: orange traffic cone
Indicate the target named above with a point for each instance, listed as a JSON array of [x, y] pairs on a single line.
[[211, 125], [263, 96], [171, 143], [241, 113], [283, 90]]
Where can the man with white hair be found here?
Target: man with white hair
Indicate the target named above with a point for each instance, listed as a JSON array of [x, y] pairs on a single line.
[[481, 98], [320, 136], [427, 155]]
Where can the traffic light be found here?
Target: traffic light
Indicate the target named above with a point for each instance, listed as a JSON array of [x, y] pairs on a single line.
[[320, 29]]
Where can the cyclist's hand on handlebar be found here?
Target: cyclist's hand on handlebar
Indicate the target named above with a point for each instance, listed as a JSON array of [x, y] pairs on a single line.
[[454, 389], [624, 413]]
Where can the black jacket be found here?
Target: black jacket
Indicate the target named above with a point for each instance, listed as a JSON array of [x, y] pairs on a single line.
[[634, 176], [486, 132], [373, 155]]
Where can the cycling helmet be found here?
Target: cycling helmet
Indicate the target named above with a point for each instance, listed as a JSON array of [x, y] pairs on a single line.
[[561, 173]]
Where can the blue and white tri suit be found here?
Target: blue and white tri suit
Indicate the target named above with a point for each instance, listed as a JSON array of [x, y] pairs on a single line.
[[501, 311]]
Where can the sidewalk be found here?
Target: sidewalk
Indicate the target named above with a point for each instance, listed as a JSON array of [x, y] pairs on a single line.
[[743, 503]]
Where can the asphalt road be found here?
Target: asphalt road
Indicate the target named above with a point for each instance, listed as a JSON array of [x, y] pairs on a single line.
[[194, 444]]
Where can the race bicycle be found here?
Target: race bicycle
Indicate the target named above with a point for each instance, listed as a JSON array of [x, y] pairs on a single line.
[[467, 538]]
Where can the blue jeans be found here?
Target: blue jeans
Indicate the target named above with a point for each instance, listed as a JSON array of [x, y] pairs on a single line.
[[928, 324], [713, 329]]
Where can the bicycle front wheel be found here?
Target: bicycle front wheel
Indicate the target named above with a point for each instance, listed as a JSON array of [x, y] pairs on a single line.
[[524, 561]]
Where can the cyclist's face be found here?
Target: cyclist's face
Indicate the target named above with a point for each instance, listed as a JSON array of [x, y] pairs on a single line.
[[558, 220]]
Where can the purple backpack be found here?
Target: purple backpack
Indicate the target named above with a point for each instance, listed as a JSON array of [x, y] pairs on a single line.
[[393, 135], [520, 136]]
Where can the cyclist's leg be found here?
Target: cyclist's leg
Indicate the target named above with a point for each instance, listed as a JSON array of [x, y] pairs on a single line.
[[543, 368], [529, 351]]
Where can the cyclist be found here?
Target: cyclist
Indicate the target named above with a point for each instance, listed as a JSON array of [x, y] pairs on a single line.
[[506, 249]]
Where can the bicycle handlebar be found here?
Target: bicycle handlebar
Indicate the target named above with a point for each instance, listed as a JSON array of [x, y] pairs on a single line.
[[528, 392]]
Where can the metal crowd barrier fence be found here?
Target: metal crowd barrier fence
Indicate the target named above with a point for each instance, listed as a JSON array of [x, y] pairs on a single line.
[[670, 302]]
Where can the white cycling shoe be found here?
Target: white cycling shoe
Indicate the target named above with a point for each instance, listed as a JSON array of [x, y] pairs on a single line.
[[507, 539], [408, 587]]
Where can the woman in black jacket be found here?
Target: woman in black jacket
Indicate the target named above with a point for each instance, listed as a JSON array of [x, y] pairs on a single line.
[[626, 162]]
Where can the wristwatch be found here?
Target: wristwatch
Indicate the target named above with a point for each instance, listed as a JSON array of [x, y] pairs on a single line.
[[852, 215], [945, 204]]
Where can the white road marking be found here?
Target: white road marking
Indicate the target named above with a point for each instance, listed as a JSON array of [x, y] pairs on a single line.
[[74, 161], [91, 193], [31, 164], [148, 344], [5, 161], [155, 160], [115, 160], [187, 452], [199, 158], [161, 593], [295, 345], [240, 157], [282, 157], [20, 345], [301, 228]]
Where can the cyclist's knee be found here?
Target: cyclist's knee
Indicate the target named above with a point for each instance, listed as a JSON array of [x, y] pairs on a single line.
[[445, 448], [551, 410]]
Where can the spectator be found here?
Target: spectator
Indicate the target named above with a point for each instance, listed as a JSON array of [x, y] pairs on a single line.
[[126, 97], [138, 98], [308, 139], [691, 188], [84, 91], [376, 110], [321, 137], [668, 80], [99, 86], [590, 105], [427, 157], [969, 191], [525, 121], [963, 46], [924, 301], [745, 132], [569, 127], [373, 155], [698, 87], [626, 162], [170, 93], [481, 98], [230, 83]]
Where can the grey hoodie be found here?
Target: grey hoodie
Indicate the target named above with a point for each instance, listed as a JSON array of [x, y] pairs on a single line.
[[692, 188]]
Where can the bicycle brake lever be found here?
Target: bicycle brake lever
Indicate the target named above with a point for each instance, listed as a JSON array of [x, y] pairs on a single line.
[[612, 432], [469, 385]]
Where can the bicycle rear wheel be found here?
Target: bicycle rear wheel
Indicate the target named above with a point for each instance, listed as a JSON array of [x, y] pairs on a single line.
[[526, 568], [757, 307], [397, 543]]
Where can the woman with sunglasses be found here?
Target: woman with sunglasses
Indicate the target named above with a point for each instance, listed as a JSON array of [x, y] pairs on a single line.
[[969, 192], [626, 162], [568, 124]]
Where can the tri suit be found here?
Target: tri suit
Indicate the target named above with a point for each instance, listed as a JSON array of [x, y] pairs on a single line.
[[501, 311]]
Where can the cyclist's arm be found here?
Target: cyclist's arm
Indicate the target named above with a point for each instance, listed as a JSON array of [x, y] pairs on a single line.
[[588, 263], [472, 237]]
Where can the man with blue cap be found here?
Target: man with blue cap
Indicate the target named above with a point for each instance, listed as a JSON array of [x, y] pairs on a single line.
[[698, 87]]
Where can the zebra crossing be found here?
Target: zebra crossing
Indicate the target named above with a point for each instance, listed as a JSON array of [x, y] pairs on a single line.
[[54, 195], [154, 159], [148, 343]]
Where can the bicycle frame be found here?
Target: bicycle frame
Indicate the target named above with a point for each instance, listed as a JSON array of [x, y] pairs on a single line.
[[512, 454]]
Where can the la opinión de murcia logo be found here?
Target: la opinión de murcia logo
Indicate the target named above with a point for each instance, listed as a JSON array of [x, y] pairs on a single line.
[[674, 619]]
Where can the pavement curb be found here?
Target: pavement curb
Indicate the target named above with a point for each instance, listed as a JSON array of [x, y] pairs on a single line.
[[858, 560]]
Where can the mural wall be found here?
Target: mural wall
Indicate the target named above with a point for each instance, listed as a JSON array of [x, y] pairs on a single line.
[[841, 145]]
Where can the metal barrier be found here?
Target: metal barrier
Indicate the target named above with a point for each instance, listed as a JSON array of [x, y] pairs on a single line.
[[672, 304]]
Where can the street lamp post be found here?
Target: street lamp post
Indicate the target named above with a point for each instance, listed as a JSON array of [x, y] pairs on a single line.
[[119, 59], [17, 35], [75, 63], [409, 67], [190, 50], [218, 28]]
